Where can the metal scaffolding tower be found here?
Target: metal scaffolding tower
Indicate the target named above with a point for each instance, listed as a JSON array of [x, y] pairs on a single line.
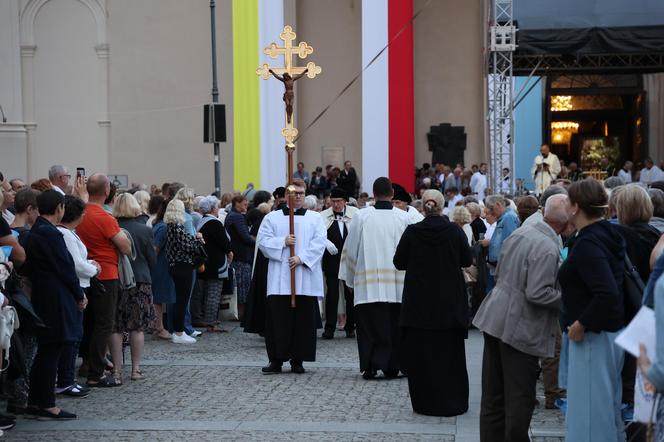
[[500, 92]]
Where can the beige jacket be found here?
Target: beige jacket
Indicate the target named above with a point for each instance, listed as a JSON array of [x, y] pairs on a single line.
[[522, 310], [328, 216]]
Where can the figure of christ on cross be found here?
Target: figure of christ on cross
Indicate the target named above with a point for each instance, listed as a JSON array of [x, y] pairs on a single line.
[[289, 95]]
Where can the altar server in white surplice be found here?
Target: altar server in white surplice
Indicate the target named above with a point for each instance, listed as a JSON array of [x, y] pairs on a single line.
[[290, 333], [366, 266]]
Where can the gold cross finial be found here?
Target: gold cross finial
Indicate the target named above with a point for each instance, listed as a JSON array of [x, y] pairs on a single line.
[[302, 50]]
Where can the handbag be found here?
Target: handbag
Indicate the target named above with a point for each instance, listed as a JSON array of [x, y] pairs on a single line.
[[470, 273], [228, 306], [125, 271], [8, 323], [200, 257]]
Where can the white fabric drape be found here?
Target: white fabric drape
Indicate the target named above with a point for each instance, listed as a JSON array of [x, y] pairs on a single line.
[[654, 87]]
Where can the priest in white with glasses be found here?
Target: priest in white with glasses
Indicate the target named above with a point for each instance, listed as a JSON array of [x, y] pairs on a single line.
[[290, 332], [367, 267]]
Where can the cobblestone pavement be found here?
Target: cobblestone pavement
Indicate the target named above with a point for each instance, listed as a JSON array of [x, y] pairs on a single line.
[[213, 390]]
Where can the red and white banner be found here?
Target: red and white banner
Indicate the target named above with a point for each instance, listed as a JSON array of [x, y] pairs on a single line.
[[388, 143]]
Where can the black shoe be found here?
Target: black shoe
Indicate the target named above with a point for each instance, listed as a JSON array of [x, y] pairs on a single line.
[[297, 368], [350, 334], [328, 334], [62, 415], [272, 368], [369, 374], [391, 374], [7, 422], [82, 387], [75, 391]]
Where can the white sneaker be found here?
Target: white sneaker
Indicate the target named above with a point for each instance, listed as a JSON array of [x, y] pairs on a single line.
[[196, 334], [182, 339]]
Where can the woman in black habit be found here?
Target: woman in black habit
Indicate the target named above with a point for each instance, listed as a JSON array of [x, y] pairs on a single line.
[[434, 311]]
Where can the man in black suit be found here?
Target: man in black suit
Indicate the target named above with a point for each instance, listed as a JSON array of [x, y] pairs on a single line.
[[347, 180], [337, 220]]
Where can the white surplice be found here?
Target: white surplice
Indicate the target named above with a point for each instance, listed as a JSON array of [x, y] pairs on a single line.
[[478, 185], [544, 178], [366, 260], [414, 216], [310, 241]]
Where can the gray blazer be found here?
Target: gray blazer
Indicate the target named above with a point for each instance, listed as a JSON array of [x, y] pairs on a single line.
[[522, 310]]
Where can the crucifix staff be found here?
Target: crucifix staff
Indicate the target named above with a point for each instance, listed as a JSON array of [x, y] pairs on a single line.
[[288, 75]]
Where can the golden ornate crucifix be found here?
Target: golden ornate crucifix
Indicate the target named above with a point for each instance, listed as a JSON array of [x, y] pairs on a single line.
[[288, 75]]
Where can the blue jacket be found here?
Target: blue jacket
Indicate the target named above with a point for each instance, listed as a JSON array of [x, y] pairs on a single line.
[[656, 373], [507, 224], [649, 292], [242, 243], [55, 287]]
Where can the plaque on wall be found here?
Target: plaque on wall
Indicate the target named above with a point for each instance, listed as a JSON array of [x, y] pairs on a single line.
[[333, 155], [447, 144]]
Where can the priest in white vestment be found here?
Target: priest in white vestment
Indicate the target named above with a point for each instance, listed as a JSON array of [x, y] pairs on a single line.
[[367, 267], [545, 170], [479, 182], [290, 333]]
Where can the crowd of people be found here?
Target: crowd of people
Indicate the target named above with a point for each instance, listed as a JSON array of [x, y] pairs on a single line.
[[91, 270]]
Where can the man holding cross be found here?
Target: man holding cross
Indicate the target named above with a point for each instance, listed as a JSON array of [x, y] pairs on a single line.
[[290, 333]]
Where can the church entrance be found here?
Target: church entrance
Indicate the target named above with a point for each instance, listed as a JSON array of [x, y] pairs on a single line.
[[590, 117]]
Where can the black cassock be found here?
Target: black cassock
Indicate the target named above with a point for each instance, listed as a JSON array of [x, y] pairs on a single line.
[[378, 336], [254, 309], [290, 333]]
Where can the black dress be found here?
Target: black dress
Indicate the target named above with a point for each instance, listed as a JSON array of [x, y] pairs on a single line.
[[434, 316]]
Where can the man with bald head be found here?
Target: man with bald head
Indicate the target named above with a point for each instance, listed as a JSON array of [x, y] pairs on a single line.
[[104, 240], [519, 321]]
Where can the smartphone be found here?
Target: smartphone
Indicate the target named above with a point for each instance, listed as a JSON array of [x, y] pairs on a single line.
[[80, 171]]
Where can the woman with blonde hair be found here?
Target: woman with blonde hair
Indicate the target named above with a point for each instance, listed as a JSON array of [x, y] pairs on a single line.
[[181, 251], [187, 196], [461, 217], [135, 312], [634, 209], [143, 199], [434, 311]]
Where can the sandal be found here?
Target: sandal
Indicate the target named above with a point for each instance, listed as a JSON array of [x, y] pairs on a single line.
[[163, 335], [216, 329], [137, 375], [105, 382]]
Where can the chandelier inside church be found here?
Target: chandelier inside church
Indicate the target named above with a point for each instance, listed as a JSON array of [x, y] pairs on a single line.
[[561, 103], [562, 131]]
